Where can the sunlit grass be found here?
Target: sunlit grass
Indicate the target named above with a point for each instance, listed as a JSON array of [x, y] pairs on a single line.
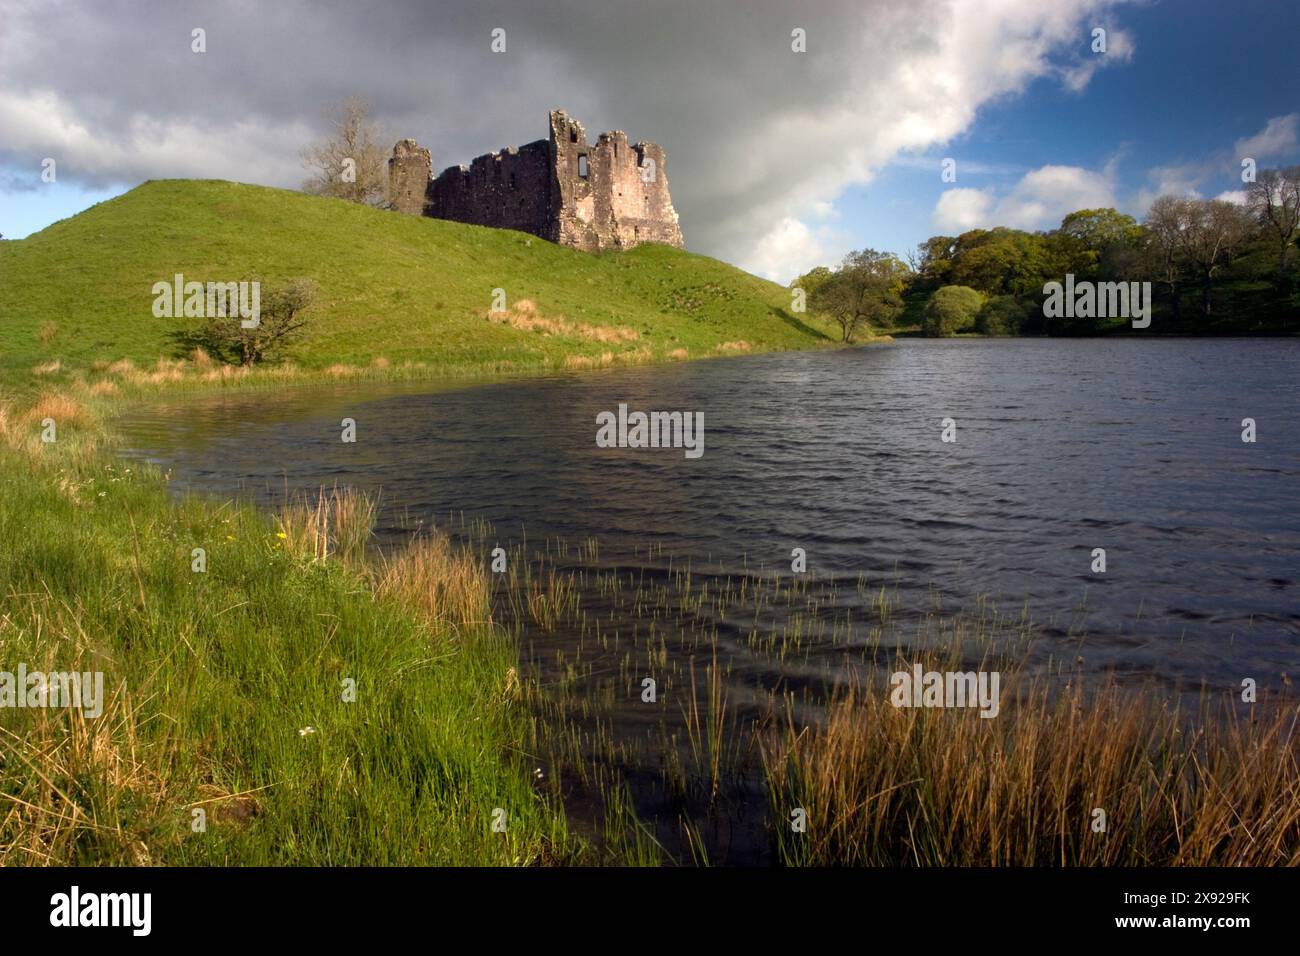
[[414, 292], [227, 688]]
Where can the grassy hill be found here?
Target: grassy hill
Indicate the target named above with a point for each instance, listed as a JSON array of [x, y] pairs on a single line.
[[394, 287], [223, 685]]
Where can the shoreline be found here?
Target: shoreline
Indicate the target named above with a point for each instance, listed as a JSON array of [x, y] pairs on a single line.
[[63, 483]]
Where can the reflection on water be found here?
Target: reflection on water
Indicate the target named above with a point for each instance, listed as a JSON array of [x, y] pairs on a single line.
[[1062, 447]]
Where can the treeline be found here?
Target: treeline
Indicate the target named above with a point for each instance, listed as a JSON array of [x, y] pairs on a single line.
[[1214, 267]]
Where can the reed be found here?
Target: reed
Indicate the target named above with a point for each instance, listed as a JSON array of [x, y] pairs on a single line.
[[888, 786]]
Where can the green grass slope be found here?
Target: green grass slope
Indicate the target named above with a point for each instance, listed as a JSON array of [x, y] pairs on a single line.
[[404, 288]]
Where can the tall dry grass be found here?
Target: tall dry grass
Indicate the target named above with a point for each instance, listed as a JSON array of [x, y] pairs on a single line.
[[449, 589], [934, 787], [57, 405], [336, 523], [445, 587], [523, 315], [740, 345]]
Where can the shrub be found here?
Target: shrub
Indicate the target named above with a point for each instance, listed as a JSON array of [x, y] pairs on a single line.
[[951, 309], [226, 339]]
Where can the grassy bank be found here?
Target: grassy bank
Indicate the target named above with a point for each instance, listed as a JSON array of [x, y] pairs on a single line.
[[224, 736], [224, 689], [398, 292], [224, 692]]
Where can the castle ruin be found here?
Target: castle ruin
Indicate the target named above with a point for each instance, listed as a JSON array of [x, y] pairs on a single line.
[[613, 195]]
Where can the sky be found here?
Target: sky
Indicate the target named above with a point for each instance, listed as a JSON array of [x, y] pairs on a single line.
[[777, 160]]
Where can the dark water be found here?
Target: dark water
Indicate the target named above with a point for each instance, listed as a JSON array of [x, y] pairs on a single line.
[[1062, 447]]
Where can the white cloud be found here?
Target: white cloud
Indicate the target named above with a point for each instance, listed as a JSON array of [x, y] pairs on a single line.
[[825, 210], [45, 124], [787, 250], [961, 209], [1278, 138], [761, 141], [1040, 200], [930, 90], [1045, 195], [1120, 47], [1236, 196]]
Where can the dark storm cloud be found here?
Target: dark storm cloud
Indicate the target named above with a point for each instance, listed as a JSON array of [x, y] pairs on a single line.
[[753, 131]]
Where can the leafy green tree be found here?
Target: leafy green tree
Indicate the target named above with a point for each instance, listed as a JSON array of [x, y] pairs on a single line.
[[1001, 315], [952, 309], [1087, 237], [1003, 261], [931, 263], [811, 279], [866, 290]]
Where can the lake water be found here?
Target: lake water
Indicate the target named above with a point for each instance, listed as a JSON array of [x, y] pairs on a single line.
[[1062, 446]]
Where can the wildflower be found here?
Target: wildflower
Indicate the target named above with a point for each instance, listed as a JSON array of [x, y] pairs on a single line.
[[281, 534], [304, 731]]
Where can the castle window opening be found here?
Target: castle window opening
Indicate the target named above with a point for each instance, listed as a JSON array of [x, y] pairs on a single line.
[[582, 167]]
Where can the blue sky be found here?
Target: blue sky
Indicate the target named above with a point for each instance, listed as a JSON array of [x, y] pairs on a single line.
[[777, 161], [1203, 76]]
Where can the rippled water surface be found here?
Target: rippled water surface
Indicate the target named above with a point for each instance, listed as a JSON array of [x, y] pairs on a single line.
[[1062, 447]]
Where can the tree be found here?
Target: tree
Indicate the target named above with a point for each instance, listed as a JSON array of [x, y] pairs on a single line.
[[931, 262], [952, 309], [280, 321], [1099, 228], [811, 279], [865, 290], [1165, 222], [1211, 232], [1003, 261], [1001, 315], [351, 164], [1274, 197], [1088, 236]]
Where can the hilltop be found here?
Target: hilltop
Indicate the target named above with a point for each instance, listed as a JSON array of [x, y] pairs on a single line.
[[393, 288]]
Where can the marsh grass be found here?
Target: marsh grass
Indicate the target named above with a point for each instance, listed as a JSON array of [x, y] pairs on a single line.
[[224, 689], [886, 786], [791, 702], [449, 591], [334, 523]]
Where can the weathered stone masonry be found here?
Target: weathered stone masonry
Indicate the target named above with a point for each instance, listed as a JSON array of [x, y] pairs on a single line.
[[613, 195]]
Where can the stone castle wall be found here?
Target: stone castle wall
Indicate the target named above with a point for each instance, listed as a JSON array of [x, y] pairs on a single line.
[[610, 195]]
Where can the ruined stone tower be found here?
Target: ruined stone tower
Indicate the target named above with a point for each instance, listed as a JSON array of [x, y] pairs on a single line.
[[613, 195]]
